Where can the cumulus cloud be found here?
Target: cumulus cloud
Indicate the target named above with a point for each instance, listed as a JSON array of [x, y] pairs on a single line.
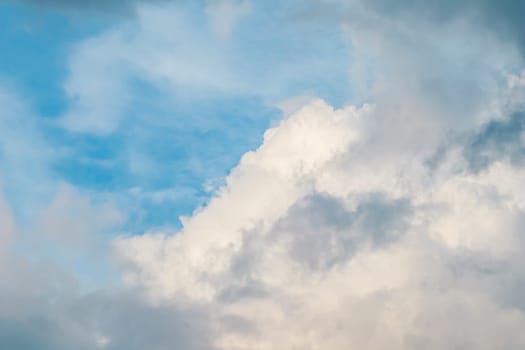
[[394, 225], [323, 237]]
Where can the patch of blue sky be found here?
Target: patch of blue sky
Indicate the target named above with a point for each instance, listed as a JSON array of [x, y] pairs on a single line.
[[284, 56]]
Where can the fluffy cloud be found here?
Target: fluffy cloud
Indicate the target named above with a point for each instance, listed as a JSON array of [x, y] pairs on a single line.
[[391, 225], [330, 235], [291, 152], [396, 225]]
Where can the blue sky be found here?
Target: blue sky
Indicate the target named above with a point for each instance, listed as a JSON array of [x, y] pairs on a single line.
[[184, 137], [165, 142], [203, 174]]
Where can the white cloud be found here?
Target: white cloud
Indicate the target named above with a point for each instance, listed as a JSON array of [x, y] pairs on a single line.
[[361, 227], [333, 234], [273, 178]]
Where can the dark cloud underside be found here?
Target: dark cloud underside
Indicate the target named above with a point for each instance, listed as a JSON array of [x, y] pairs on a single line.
[[117, 6], [504, 17]]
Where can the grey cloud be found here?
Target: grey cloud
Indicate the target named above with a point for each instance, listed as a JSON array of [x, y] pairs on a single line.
[[244, 290], [324, 232], [243, 267], [113, 322], [130, 323], [382, 219], [499, 139], [502, 16], [435, 61], [40, 309], [42, 333], [320, 231]]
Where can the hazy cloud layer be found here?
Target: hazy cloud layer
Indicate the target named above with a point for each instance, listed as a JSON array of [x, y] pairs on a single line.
[[41, 308], [503, 17]]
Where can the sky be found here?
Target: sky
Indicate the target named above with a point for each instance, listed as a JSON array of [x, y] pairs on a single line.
[[260, 175]]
